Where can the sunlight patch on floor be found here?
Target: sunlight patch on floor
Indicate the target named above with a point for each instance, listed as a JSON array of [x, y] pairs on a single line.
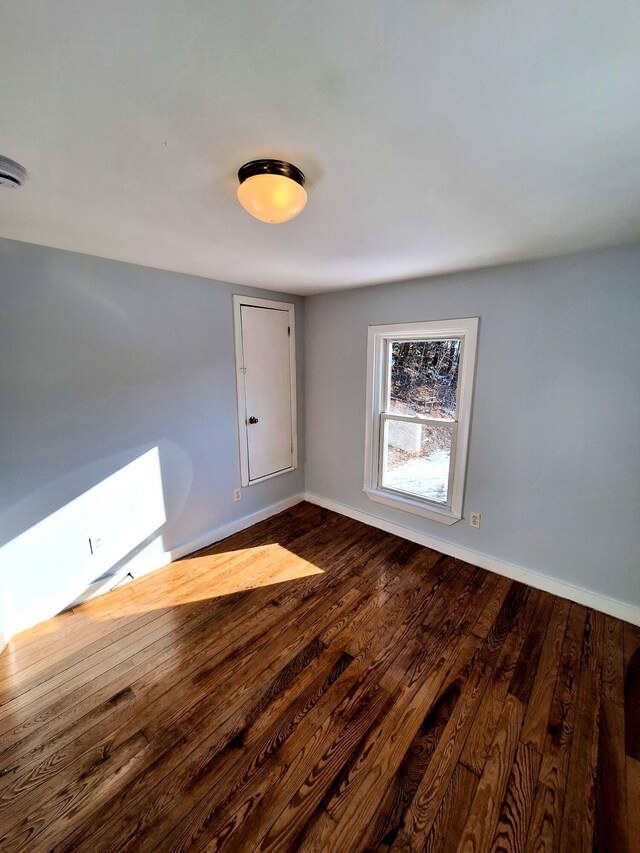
[[200, 578]]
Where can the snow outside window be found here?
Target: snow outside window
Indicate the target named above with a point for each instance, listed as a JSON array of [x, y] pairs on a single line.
[[420, 378]]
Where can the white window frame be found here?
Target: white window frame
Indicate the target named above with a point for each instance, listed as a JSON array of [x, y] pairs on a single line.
[[378, 376], [238, 302]]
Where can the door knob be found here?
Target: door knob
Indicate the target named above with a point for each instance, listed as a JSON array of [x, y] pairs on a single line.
[[253, 420]]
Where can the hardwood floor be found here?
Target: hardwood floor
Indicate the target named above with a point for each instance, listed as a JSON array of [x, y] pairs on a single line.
[[316, 684]]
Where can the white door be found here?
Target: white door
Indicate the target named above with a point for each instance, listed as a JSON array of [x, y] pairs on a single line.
[[266, 389]]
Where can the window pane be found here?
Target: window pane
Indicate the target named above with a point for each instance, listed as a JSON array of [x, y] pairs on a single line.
[[424, 378], [416, 459]]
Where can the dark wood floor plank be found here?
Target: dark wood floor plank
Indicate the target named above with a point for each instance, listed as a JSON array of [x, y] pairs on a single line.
[[517, 805], [424, 807], [376, 786], [631, 641], [488, 614], [398, 769], [543, 835], [632, 694], [548, 807], [485, 808], [521, 683], [579, 804], [504, 622], [485, 585], [451, 818], [534, 728], [287, 830], [76, 801], [388, 759], [301, 780], [611, 806], [521, 623], [633, 798], [613, 660], [312, 684], [592, 644], [563, 705]]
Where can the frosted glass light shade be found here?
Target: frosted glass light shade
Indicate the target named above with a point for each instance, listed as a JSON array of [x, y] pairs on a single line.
[[271, 190], [272, 198]]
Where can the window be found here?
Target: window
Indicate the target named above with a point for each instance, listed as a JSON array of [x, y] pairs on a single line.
[[420, 378]]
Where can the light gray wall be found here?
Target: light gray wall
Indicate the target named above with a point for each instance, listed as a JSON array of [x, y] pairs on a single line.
[[107, 370], [554, 461]]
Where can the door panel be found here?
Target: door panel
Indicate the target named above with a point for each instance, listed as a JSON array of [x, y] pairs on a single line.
[[267, 387]]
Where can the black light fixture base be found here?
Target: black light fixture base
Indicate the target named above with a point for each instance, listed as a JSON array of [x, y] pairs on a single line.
[[270, 167]]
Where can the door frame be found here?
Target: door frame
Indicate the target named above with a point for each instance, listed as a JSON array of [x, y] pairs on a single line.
[[238, 302]]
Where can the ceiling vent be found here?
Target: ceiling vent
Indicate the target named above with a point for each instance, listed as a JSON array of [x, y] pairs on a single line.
[[12, 174]]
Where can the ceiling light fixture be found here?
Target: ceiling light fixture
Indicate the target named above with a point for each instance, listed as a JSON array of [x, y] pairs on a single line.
[[271, 190], [12, 174]]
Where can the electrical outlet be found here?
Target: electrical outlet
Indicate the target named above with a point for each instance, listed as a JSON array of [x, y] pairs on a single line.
[[237, 495], [95, 544], [474, 519]]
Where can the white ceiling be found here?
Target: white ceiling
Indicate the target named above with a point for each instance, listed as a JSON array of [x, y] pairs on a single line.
[[436, 135]]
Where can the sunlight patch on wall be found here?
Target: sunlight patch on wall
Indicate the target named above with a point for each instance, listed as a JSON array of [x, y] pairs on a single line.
[[46, 567]]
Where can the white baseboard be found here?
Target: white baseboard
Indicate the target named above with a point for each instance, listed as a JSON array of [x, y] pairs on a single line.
[[595, 600], [218, 533]]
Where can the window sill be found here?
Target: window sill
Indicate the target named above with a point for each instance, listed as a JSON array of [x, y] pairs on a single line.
[[444, 516]]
